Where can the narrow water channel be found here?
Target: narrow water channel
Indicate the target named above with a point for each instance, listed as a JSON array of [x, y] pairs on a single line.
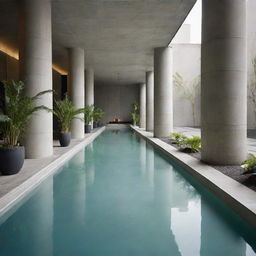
[[121, 197]]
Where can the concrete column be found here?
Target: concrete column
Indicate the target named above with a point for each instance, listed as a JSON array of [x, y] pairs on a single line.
[[163, 107], [143, 105], [149, 101], [35, 60], [223, 92], [89, 87], [76, 87]]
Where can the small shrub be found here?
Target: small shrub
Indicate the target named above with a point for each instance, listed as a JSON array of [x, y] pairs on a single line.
[[249, 165], [192, 144], [178, 138]]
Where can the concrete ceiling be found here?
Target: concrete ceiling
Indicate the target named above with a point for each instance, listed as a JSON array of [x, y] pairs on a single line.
[[118, 35]]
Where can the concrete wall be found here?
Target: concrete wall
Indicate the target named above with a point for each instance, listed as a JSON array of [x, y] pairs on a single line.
[[186, 61], [116, 101], [9, 70], [251, 45]]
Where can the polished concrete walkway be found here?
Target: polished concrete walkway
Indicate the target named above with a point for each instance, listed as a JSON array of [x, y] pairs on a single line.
[[251, 136]]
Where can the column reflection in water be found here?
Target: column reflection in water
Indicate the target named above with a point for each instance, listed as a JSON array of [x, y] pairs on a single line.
[[31, 231], [89, 165], [149, 175], [143, 157], [185, 215], [165, 240], [69, 207], [216, 228]]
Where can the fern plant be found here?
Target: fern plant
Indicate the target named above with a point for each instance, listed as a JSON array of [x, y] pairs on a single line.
[[88, 114], [65, 113], [249, 165], [17, 111], [178, 138], [192, 144]]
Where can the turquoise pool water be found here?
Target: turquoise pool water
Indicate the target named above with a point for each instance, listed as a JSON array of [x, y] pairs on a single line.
[[120, 197]]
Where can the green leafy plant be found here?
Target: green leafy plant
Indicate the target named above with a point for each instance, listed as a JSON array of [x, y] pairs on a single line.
[[249, 165], [65, 113], [187, 144], [192, 145], [178, 138], [189, 90], [97, 114], [17, 111], [135, 114], [88, 114]]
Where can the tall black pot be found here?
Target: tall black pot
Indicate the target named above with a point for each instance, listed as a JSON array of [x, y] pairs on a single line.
[[64, 139], [11, 159], [87, 128], [95, 125]]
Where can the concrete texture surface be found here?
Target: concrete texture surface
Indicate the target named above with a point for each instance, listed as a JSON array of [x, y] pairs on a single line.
[[76, 89], [224, 82], [35, 39], [149, 100], [118, 36], [116, 101], [143, 105], [163, 97]]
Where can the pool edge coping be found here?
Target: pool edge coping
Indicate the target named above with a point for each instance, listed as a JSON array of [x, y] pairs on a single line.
[[14, 196], [238, 197]]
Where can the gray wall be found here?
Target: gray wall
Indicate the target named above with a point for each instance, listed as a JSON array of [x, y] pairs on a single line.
[[186, 61], [251, 45], [116, 101], [9, 70]]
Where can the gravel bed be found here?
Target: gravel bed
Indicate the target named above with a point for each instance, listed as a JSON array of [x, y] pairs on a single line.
[[233, 171]]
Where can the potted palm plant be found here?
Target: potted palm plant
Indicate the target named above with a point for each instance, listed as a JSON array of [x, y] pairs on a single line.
[[88, 117], [97, 115], [65, 113], [14, 116]]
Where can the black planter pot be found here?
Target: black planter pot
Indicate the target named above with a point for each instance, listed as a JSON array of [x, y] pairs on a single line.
[[87, 128], [95, 125], [11, 159], [64, 139]]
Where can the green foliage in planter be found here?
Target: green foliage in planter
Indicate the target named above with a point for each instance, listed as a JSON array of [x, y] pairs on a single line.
[[97, 114], [249, 165], [188, 144], [88, 114], [65, 113], [192, 144], [135, 113], [178, 138], [17, 111]]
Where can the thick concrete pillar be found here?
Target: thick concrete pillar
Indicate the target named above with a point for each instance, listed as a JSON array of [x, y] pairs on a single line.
[[76, 87], [35, 60], [143, 105], [149, 101], [163, 107], [89, 87], [223, 92]]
